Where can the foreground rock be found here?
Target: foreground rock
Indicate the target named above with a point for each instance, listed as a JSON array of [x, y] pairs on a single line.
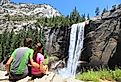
[[52, 77]]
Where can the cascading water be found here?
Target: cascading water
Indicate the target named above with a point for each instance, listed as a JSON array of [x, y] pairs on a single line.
[[76, 44]]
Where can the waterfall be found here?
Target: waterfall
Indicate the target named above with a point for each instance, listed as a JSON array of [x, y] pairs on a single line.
[[75, 46]]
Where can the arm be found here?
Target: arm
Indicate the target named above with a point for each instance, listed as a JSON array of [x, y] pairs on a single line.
[[8, 64], [34, 64], [40, 57], [9, 61]]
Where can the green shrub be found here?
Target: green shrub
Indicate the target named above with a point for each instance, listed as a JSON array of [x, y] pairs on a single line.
[[88, 76], [117, 74], [102, 74]]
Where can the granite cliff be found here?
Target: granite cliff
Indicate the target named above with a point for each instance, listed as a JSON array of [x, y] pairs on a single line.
[[102, 42]]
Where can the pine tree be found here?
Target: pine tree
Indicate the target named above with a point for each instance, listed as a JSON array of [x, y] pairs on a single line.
[[67, 21], [88, 17], [97, 11], [104, 11], [83, 17], [75, 16]]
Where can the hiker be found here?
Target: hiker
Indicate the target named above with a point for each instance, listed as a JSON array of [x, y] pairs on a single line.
[[38, 57], [17, 65]]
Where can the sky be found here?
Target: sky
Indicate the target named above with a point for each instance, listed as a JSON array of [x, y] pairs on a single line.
[[65, 7]]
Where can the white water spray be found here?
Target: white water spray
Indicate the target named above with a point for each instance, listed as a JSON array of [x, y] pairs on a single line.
[[76, 44]]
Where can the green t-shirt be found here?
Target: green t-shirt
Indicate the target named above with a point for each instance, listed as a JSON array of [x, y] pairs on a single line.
[[20, 61]]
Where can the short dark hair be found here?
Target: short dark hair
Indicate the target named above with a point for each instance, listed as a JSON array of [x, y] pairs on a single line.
[[28, 42]]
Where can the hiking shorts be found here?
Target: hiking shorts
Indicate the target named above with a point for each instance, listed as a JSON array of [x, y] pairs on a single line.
[[16, 77]]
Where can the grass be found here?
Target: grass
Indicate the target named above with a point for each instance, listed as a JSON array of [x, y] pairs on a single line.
[[102, 74]]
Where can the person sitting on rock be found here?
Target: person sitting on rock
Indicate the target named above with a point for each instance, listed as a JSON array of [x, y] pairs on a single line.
[[17, 65], [38, 57]]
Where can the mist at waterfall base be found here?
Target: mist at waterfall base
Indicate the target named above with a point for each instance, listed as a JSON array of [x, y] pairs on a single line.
[[76, 44]]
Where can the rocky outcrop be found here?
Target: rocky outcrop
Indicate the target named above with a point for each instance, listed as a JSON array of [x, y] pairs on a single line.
[[4, 2], [15, 25], [57, 41], [52, 77], [57, 45], [102, 43], [24, 9]]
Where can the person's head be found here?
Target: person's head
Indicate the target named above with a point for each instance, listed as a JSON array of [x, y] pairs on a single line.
[[38, 49], [28, 42]]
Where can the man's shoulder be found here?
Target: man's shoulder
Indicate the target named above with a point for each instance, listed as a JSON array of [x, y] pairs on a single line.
[[22, 48], [30, 50], [25, 48]]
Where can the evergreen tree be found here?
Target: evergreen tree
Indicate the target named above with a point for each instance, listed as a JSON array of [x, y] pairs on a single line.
[[88, 17], [83, 17], [97, 11], [104, 11], [67, 20], [75, 16]]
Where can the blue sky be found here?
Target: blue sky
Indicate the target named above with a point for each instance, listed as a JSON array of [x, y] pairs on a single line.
[[83, 6]]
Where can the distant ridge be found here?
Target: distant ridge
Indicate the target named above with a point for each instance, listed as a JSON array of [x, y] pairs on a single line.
[[26, 9], [4, 2]]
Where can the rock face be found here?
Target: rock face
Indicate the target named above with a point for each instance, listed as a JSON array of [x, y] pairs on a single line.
[[17, 26], [57, 41], [4, 2], [103, 43], [24, 9]]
